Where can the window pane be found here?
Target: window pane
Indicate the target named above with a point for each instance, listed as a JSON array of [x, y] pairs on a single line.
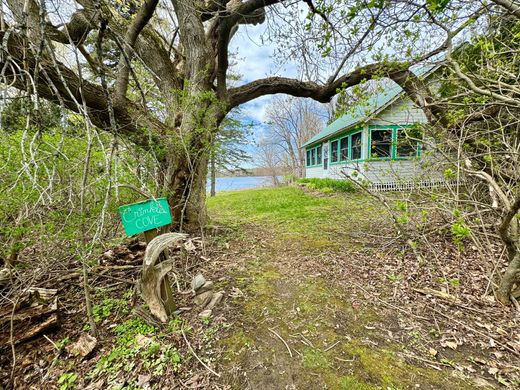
[[355, 152], [343, 149], [313, 156], [318, 153], [381, 143], [308, 157], [334, 151], [405, 146]]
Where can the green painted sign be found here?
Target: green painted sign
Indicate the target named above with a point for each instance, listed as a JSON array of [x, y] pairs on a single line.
[[143, 216]]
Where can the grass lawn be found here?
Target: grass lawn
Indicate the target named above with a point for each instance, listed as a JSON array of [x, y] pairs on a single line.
[[295, 213]]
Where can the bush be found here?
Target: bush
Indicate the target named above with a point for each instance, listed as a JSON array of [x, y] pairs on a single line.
[[328, 185]]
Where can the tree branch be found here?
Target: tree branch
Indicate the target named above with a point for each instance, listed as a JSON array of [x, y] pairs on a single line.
[[250, 12], [509, 5], [141, 20], [57, 82], [321, 93]]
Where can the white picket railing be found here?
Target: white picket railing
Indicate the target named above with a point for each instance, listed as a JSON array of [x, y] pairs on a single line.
[[411, 185]]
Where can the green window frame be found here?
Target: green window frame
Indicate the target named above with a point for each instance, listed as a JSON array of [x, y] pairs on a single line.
[[358, 147], [342, 146], [344, 154], [314, 156], [395, 129], [334, 151]]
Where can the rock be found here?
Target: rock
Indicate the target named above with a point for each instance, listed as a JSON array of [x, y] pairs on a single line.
[[84, 346], [206, 287], [217, 297], [143, 341], [189, 246], [143, 381], [204, 298], [181, 310], [205, 313], [197, 282]]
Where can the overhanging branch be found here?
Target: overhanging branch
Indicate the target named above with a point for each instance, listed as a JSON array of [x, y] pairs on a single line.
[[59, 84], [310, 89]]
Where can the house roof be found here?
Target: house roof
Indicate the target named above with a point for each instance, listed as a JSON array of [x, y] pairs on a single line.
[[363, 111]]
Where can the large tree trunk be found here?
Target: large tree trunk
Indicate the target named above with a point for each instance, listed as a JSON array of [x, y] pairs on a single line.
[[186, 167], [185, 188], [509, 279]]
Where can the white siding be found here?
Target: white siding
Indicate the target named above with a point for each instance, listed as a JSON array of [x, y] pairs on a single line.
[[426, 168], [403, 111], [315, 172]]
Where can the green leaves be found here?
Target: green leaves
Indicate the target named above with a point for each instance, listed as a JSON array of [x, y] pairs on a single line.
[[437, 5]]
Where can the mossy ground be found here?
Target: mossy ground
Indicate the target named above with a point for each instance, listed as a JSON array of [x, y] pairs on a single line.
[[330, 335]]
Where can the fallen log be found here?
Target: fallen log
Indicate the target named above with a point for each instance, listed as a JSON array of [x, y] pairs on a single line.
[[34, 314]]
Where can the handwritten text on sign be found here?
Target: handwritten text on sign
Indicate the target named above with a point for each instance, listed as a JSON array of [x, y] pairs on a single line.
[[143, 216]]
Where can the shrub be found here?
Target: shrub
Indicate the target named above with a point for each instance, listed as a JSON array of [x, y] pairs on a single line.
[[328, 185]]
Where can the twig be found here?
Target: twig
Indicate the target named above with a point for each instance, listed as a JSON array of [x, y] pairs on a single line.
[[476, 331], [307, 340], [282, 340], [196, 357], [52, 342], [127, 281], [332, 346], [431, 363], [390, 305], [345, 360]]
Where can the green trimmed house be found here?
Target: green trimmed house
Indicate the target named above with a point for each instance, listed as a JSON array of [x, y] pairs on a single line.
[[376, 142]]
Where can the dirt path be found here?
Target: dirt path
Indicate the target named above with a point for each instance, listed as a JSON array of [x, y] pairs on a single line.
[[301, 320]]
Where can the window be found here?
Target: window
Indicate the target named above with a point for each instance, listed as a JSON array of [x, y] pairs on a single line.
[[406, 147], [343, 149], [381, 143], [334, 151], [355, 146], [313, 156]]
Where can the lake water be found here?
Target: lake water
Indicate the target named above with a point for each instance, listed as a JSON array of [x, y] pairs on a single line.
[[240, 183]]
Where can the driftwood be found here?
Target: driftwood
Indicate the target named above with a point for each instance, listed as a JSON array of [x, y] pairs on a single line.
[[35, 313], [155, 294], [5, 277]]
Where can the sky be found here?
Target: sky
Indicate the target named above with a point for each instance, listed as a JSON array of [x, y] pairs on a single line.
[[254, 61]]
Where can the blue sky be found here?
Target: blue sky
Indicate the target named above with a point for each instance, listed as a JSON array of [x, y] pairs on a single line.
[[254, 60]]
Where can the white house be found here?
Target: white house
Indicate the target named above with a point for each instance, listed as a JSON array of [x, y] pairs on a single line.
[[377, 141]]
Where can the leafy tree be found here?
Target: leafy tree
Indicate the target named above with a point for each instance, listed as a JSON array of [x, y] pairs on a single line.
[[19, 109], [182, 48]]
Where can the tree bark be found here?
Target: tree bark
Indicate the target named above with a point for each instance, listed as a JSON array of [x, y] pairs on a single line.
[[509, 279], [213, 173]]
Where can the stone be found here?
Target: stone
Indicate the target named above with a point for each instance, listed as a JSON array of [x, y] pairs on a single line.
[[217, 297], [197, 282], [84, 346], [206, 287], [205, 313], [143, 341], [204, 298]]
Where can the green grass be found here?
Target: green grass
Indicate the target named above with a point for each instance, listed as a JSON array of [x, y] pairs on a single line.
[[293, 213], [328, 185]]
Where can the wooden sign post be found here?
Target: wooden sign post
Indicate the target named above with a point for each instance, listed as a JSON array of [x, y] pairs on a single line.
[[147, 217]]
